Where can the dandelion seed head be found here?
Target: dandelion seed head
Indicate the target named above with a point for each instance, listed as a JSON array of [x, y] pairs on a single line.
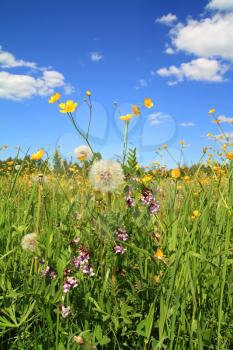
[[106, 175], [83, 153], [29, 241]]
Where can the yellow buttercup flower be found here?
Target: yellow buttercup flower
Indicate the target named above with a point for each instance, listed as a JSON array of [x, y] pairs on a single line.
[[195, 214], [68, 107], [212, 111], [229, 156], [126, 117], [224, 146], [38, 155], [88, 93], [11, 162], [148, 103], [175, 173], [54, 98], [135, 110], [159, 254]]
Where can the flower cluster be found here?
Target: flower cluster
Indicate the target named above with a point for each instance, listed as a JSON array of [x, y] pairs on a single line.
[[129, 200], [48, 271], [69, 284], [148, 199], [65, 311], [82, 262], [121, 235], [119, 249]]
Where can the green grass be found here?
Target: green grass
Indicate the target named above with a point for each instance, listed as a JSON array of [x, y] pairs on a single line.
[[124, 306]]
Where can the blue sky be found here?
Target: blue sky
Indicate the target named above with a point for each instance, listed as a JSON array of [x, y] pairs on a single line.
[[179, 53]]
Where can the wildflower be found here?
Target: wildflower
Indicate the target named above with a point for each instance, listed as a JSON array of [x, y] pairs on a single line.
[[154, 207], [165, 146], [83, 153], [11, 162], [79, 340], [17, 167], [121, 234], [129, 200], [212, 111], [195, 214], [69, 284], [40, 179], [54, 98], [146, 179], [224, 146], [217, 121], [187, 179], [65, 311], [229, 156], [148, 103], [106, 175], [29, 241], [68, 107], [126, 117], [88, 93], [182, 143], [175, 173], [38, 155], [159, 254], [147, 196], [135, 110], [119, 249]]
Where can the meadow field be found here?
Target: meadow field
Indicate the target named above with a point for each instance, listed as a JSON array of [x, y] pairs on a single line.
[[106, 254]]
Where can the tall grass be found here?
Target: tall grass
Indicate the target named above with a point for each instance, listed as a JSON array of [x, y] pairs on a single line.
[[182, 300]]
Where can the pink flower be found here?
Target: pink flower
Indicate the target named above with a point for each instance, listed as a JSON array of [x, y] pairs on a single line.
[[119, 249], [65, 311]]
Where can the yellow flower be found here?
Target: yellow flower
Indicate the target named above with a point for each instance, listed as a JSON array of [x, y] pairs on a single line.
[[68, 107], [182, 143], [217, 121], [175, 173], [88, 93], [195, 214], [212, 111], [11, 162], [148, 103], [38, 155], [224, 146], [54, 98], [126, 117], [146, 179], [159, 254], [229, 156], [135, 110], [187, 179], [165, 146]]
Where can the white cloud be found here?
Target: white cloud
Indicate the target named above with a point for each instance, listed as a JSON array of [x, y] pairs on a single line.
[[142, 83], [158, 117], [221, 5], [187, 124], [169, 50], [8, 60], [200, 69], [22, 86], [208, 37], [224, 119], [222, 138], [168, 19], [96, 56]]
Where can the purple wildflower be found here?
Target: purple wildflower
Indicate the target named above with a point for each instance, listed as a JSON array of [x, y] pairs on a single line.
[[121, 234], [70, 283], [119, 249], [154, 207]]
